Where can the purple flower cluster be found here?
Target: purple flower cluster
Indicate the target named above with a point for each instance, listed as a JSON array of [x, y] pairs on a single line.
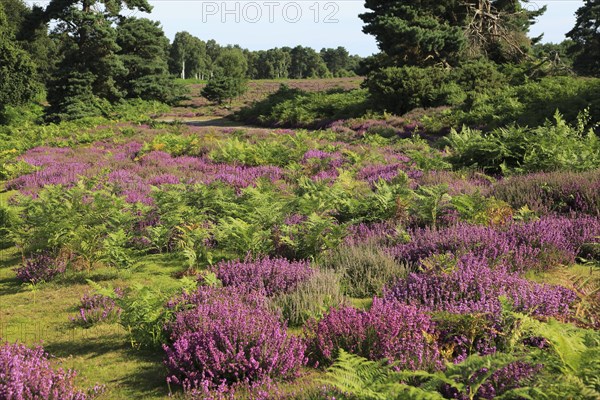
[[384, 233], [398, 332], [270, 276], [129, 174], [40, 267], [373, 173], [472, 287], [562, 192], [538, 245], [27, 374], [96, 308], [221, 337], [512, 376], [457, 184]]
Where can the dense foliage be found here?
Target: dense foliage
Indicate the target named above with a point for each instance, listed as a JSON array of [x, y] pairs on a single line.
[[28, 374]]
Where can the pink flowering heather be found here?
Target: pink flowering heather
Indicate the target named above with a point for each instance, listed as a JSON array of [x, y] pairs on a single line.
[[270, 276], [40, 267], [398, 332], [538, 245], [384, 233], [512, 376], [472, 287], [561, 192], [96, 308], [222, 337], [27, 374]]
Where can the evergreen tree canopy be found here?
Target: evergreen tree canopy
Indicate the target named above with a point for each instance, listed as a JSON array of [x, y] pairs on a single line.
[[18, 83], [144, 48], [431, 32], [90, 67], [586, 37]]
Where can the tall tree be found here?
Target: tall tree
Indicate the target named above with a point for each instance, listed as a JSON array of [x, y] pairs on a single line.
[[430, 32], [144, 48], [18, 83], [306, 63], [188, 57], [586, 38], [232, 63], [90, 67], [337, 60], [31, 35]]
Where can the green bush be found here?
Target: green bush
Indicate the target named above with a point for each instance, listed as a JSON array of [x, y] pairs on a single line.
[[296, 108], [221, 88], [550, 147], [364, 268], [311, 299], [532, 103], [401, 89]]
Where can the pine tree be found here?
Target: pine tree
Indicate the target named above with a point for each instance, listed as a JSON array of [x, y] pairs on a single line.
[[429, 32], [143, 51], [586, 37], [87, 76]]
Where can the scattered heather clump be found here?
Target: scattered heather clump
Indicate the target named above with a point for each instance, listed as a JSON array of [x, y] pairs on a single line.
[[310, 299], [398, 332], [222, 337], [552, 192], [27, 374], [40, 267], [457, 183], [270, 276], [512, 376], [537, 245], [377, 233], [472, 287], [96, 308], [460, 335], [364, 268]]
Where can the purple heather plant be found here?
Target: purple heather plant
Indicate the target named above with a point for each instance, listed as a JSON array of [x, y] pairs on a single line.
[[40, 267], [96, 308], [270, 276], [512, 376], [222, 337], [473, 287], [538, 245], [397, 332], [27, 374]]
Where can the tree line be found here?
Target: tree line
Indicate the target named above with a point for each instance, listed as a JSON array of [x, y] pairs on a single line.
[[435, 53], [93, 57], [430, 51]]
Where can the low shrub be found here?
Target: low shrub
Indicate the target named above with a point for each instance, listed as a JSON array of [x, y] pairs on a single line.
[[270, 276], [28, 374], [552, 192], [401, 89], [537, 245], [310, 299], [364, 268], [549, 147], [397, 332], [95, 308], [297, 108], [41, 267], [222, 337], [470, 286]]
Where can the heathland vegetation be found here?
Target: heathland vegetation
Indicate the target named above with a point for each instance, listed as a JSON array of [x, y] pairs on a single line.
[[204, 222]]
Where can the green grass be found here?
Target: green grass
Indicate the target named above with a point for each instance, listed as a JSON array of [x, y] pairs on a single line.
[[101, 354]]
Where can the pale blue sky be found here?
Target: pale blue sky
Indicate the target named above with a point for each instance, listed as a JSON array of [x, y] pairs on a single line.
[[263, 24]]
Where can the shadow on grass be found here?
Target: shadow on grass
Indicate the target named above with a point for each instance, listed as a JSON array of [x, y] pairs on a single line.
[[147, 381]]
